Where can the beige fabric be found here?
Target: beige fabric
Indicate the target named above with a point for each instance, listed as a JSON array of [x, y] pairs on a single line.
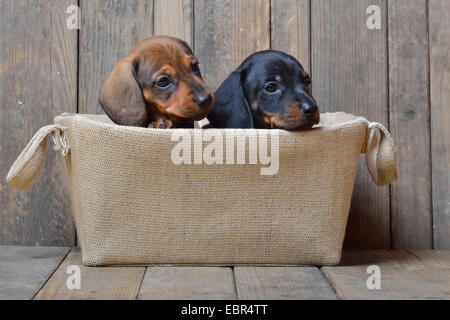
[[380, 159], [133, 205], [30, 162]]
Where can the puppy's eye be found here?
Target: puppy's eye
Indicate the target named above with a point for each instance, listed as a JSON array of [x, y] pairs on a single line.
[[271, 87], [163, 82], [195, 68]]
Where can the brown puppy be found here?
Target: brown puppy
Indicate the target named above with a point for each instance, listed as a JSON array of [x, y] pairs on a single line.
[[158, 85]]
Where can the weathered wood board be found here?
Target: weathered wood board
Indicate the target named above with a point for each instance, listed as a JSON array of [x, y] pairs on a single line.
[[228, 31], [290, 21], [193, 283], [282, 283], [439, 29], [349, 72], [398, 75], [96, 283], [174, 18], [43, 273], [37, 82], [402, 276], [110, 29], [433, 259], [24, 270], [410, 128]]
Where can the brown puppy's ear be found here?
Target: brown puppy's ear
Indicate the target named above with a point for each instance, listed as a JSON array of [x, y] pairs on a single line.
[[121, 97]]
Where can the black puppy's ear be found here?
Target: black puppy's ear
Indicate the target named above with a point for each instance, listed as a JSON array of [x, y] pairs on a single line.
[[307, 79], [121, 97], [231, 109], [308, 82]]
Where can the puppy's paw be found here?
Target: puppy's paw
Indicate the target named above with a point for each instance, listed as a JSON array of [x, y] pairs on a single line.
[[161, 124]]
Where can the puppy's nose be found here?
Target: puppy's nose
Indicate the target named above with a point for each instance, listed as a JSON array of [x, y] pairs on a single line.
[[309, 110], [204, 100]]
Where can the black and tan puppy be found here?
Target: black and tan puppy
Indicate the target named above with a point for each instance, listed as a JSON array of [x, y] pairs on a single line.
[[158, 85], [270, 89]]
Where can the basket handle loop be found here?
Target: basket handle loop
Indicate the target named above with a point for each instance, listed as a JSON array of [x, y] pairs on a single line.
[[28, 165], [380, 154]]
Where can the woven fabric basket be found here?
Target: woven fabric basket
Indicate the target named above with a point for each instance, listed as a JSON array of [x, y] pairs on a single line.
[[133, 204]]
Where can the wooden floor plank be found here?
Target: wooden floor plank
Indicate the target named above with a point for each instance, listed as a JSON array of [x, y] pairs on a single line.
[[434, 259], [23, 270], [96, 282], [193, 283], [282, 283], [403, 276]]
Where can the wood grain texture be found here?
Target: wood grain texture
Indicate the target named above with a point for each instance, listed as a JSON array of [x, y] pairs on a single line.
[[433, 259], [174, 18], [290, 21], [23, 270], [403, 276], [110, 29], [37, 82], [281, 283], [349, 72], [98, 283], [228, 31], [439, 25], [409, 125], [187, 283]]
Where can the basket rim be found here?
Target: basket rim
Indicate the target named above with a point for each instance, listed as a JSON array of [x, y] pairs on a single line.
[[329, 121]]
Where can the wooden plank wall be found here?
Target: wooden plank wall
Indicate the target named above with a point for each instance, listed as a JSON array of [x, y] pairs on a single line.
[[439, 28], [349, 74], [398, 75], [38, 75], [409, 123]]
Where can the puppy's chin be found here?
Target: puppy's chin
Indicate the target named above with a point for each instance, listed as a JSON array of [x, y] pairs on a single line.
[[274, 121], [186, 121], [305, 125]]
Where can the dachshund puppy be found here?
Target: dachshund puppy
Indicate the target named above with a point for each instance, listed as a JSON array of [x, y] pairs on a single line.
[[269, 90], [158, 85]]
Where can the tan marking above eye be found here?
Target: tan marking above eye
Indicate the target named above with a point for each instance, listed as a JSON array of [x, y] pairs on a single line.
[[278, 77], [166, 69], [188, 60]]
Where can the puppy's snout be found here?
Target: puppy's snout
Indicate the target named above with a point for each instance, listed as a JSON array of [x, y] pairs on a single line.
[[204, 100], [310, 110]]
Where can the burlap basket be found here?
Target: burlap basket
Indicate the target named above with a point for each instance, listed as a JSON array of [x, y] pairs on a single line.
[[134, 204]]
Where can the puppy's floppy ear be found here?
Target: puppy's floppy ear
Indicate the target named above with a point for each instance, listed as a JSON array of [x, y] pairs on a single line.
[[308, 82], [231, 109], [121, 97], [307, 79]]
